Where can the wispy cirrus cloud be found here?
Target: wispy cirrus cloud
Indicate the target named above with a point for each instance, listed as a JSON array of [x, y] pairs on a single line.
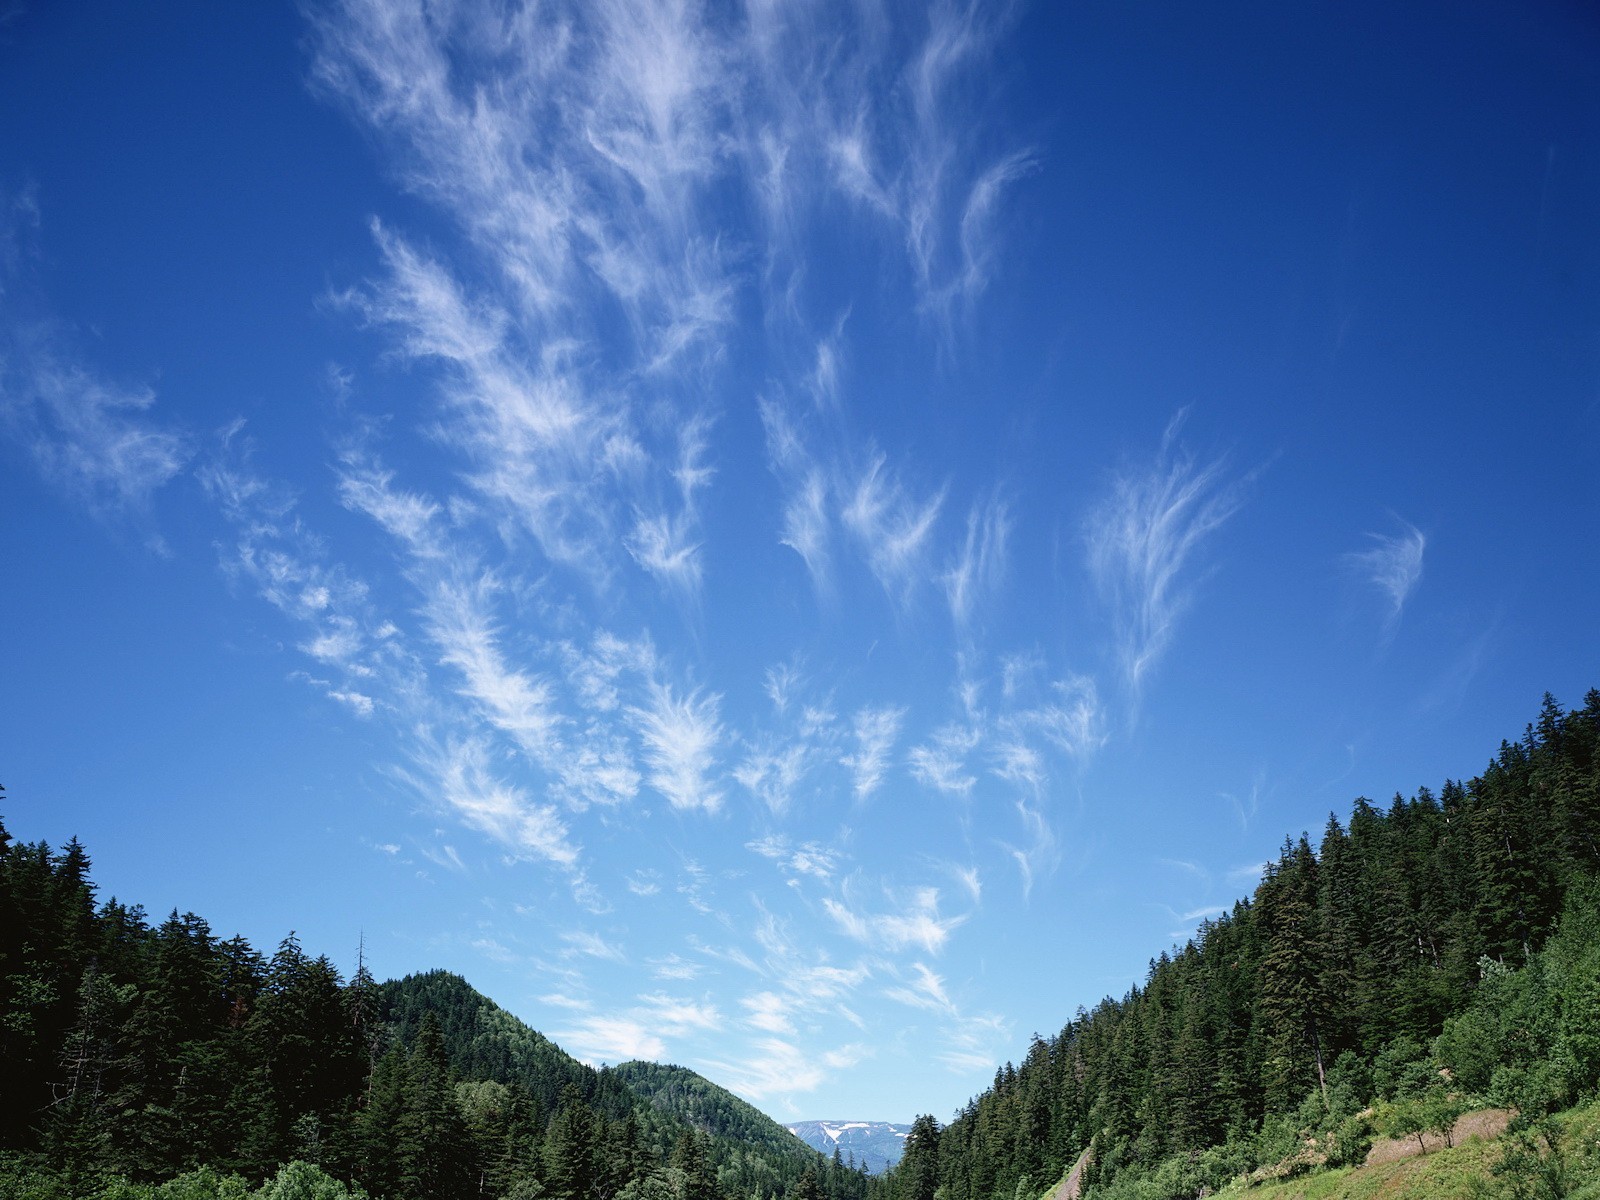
[[941, 761], [1392, 563], [446, 761], [915, 922], [775, 1067], [662, 541], [1143, 540], [538, 447], [807, 521], [612, 1039], [94, 440], [980, 562], [459, 772], [923, 990], [675, 1015], [587, 761], [876, 730], [1071, 718], [591, 945], [809, 858], [768, 1011], [519, 704], [680, 735], [893, 528]]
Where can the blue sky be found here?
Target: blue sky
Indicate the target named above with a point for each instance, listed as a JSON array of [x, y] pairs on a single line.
[[807, 540]]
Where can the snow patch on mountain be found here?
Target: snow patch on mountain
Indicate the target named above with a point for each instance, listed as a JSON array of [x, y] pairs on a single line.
[[875, 1145]]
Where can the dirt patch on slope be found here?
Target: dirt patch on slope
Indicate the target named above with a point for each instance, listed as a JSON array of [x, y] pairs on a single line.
[[1485, 1123], [1071, 1187]]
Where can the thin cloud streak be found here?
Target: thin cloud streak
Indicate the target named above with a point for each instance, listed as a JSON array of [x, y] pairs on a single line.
[[1143, 539], [1393, 565]]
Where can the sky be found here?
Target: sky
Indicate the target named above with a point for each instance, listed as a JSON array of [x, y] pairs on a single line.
[[807, 540]]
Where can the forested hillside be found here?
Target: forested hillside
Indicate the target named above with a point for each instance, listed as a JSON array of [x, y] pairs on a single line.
[[741, 1128], [1438, 953], [146, 1059]]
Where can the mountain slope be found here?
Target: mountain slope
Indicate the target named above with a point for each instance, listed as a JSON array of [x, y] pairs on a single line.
[[875, 1145], [737, 1130], [483, 1040], [750, 1153]]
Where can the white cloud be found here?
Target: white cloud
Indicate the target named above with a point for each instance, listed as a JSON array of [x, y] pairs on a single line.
[[980, 563], [1393, 565], [893, 529], [940, 762], [675, 1016], [876, 730], [680, 735], [92, 439], [356, 702], [447, 765], [571, 1003], [661, 540], [520, 705], [408, 517], [591, 945], [774, 1067], [459, 775], [969, 1043], [1072, 720], [807, 525], [924, 990], [597, 672], [673, 967], [812, 859], [768, 1011], [771, 774], [917, 922], [809, 859], [599, 1039], [1142, 539]]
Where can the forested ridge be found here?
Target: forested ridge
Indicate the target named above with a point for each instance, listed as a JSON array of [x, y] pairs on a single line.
[[145, 1059], [1416, 960]]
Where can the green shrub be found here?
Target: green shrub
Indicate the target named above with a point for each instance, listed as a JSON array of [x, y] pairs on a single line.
[[305, 1181]]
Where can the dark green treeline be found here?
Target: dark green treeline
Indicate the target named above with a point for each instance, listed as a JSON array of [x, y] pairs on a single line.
[[132, 1051], [1328, 989]]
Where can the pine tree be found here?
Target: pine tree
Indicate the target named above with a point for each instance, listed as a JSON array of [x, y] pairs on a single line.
[[918, 1174]]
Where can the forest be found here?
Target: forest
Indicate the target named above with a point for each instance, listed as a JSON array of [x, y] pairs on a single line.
[[1417, 960], [1438, 954]]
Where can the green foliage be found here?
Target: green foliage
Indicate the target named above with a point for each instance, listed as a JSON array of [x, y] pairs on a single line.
[[1402, 1068], [203, 1184], [306, 1181]]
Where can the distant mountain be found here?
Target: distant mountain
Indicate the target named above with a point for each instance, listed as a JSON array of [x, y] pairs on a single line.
[[875, 1145]]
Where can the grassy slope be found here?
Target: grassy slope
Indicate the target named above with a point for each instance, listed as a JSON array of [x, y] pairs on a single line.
[[1461, 1173]]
